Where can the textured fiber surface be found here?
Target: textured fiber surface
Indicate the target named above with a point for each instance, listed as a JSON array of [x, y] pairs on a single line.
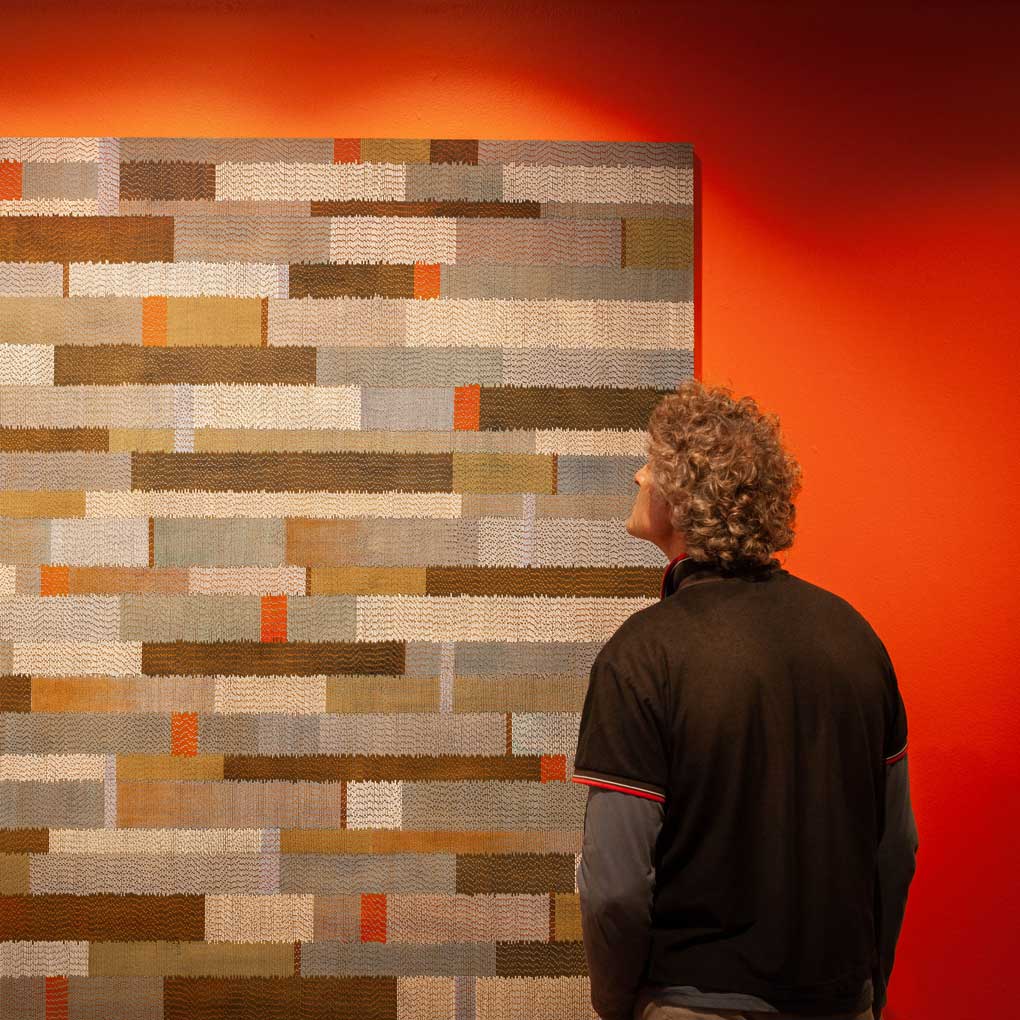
[[315, 457]]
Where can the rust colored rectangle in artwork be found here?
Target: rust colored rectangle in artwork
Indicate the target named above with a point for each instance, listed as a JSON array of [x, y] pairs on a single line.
[[116, 364], [174, 180], [454, 207], [103, 917], [293, 472], [86, 239], [11, 179], [346, 150], [297, 658]]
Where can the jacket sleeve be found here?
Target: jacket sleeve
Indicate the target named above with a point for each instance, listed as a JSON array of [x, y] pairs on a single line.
[[896, 863], [616, 886], [898, 843], [621, 742]]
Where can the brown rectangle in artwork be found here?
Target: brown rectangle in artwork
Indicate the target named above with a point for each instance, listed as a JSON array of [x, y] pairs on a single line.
[[329, 279], [453, 150], [567, 407], [271, 658], [325, 768], [515, 873], [293, 472], [535, 959], [24, 841], [454, 207], [103, 917], [174, 180], [55, 440], [114, 364], [86, 239], [587, 582], [354, 997], [16, 693]]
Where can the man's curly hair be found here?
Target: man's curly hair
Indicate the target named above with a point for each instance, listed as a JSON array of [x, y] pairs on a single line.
[[721, 466]]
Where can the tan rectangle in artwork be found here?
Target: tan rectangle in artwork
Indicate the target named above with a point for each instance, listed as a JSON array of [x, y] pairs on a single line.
[[213, 322], [169, 766], [658, 243], [366, 581], [41, 503], [503, 472], [115, 957]]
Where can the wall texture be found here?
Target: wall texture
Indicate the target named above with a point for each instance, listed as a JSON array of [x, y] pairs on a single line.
[[859, 238]]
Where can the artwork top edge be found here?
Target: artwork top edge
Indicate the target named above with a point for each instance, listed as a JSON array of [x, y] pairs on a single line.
[[257, 149]]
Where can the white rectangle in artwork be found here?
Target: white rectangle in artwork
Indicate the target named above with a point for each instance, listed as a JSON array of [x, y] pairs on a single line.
[[616, 184], [343, 182]]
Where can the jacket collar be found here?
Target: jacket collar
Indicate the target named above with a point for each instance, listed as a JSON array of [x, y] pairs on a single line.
[[677, 571], [682, 571]]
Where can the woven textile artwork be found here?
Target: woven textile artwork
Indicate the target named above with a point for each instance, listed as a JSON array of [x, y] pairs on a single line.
[[316, 456]]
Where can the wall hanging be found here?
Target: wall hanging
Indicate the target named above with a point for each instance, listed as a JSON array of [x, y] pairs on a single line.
[[316, 456]]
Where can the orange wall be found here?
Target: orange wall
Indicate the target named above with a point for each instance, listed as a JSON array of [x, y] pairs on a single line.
[[861, 209]]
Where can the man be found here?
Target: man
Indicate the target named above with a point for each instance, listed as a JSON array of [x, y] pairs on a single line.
[[748, 834]]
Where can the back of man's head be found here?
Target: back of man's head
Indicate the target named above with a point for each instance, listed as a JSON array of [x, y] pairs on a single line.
[[720, 464]]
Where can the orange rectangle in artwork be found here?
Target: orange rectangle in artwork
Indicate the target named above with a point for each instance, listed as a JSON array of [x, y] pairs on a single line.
[[426, 280], [154, 321], [10, 179], [56, 997], [554, 768], [274, 618], [466, 404], [54, 580], [346, 150], [184, 733], [373, 917]]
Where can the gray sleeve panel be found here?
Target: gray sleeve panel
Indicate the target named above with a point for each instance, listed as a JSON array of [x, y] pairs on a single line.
[[616, 886], [895, 866]]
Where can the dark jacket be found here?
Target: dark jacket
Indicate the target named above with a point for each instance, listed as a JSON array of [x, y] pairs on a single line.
[[730, 739]]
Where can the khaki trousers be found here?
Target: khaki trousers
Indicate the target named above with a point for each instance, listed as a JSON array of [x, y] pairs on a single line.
[[647, 1009]]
